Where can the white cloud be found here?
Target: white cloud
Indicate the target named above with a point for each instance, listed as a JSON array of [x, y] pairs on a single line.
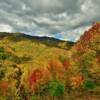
[[74, 34], [5, 28]]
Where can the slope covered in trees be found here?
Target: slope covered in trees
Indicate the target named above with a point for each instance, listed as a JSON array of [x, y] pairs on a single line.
[[34, 68]]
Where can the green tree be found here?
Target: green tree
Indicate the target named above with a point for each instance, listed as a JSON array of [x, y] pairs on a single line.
[[88, 84], [56, 88]]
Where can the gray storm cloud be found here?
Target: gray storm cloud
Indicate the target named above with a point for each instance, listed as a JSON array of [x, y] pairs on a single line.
[[49, 17]]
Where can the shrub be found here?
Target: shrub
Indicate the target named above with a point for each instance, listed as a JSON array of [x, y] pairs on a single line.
[[76, 81], [33, 97], [3, 56], [42, 89], [1, 49], [57, 69], [34, 77], [56, 88], [88, 84]]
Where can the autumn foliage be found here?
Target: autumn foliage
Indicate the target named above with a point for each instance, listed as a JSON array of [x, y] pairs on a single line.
[[66, 64], [4, 87], [76, 81], [59, 77], [35, 77]]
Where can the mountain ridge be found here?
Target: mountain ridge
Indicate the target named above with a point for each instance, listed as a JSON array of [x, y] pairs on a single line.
[[50, 41]]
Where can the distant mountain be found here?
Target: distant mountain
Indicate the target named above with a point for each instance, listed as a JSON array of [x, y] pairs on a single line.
[[50, 41]]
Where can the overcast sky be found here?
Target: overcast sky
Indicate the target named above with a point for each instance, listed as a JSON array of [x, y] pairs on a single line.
[[64, 19]]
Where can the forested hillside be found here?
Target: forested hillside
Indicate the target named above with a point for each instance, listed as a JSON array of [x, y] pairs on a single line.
[[43, 68]]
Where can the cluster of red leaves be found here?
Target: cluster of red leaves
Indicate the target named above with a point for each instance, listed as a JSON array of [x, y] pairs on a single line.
[[76, 81], [66, 64], [58, 65], [35, 77], [58, 68], [38, 75], [4, 86], [87, 36], [80, 48]]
